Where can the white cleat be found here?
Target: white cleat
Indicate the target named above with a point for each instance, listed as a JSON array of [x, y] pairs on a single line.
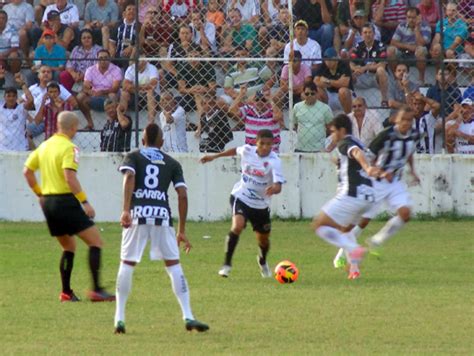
[[264, 269], [340, 260], [225, 271]]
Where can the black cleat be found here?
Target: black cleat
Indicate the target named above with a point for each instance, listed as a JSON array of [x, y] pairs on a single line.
[[120, 328], [195, 325]]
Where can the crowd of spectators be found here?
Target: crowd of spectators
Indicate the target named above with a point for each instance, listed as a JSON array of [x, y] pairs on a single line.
[[81, 58]]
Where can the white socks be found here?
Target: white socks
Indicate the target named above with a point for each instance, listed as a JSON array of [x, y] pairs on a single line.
[[180, 289], [337, 238], [390, 229], [124, 285]]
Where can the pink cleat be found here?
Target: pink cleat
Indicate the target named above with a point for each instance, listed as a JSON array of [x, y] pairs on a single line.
[[354, 275]]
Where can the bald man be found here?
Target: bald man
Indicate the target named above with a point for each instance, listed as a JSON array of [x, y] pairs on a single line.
[[65, 204]]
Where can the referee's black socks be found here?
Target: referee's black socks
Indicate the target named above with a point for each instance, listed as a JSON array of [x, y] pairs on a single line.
[[65, 268], [94, 265], [231, 242]]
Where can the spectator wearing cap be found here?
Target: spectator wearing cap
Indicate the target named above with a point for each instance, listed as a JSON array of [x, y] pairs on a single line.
[[82, 57], [117, 131], [310, 49], [317, 15], [9, 43], [101, 81], [353, 36], [460, 129], [21, 16], [368, 64], [249, 10], [64, 35], [334, 80], [311, 119], [123, 37], [240, 34], [101, 16], [455, 32], [68, 13], [429, 12], [388, 14], [365, 122]]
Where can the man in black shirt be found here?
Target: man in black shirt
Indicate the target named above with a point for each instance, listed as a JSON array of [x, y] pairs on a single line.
[[116, 134], [123, 37], [334, 80]]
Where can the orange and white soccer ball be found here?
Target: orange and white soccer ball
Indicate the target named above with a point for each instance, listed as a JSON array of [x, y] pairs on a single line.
[[286, 272]]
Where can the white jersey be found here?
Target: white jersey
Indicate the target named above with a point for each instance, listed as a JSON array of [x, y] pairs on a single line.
[[463, 145], [257, 174], [13, 128]]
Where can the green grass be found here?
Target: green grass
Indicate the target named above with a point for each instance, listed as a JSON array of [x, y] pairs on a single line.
[[418, 299]]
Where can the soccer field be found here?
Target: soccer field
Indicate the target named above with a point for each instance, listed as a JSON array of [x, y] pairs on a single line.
[[416, 299]]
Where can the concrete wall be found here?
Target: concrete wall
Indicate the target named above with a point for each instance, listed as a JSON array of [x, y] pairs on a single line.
[[447, 185]]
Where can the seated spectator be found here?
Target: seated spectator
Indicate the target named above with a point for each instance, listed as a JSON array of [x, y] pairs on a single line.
[[177, 49], [195, 78], [190, 5], [253, 75], [51, 106], [249, 10], [448, 86], [213, 130], [368, 65], [277, 32], [82, 57], [454, 34], [50, 54], [65, 35], [271, 11], [468, 54], [9, 56], [460, 129], [259, 113], [101, 81], [155, 34], [311, 119], [21, 16], [309, 49], [173, 123], [365, 123], [101, 16], [204, 33], [466, 12], [123, 37], [429, 12], [214, 15], [13, 119], [144, 6], [388, 14], [148, 88], [426, 123], [117, 131], [240, 34], [179, 10], [301, 75], [40, 8], [334, 80], [410, 40], [400, 88], [69, 13], [317, 15], [352, 36]]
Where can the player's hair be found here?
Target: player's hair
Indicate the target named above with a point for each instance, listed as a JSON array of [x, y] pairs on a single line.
[[53, 85], [10, 90], [153, 135], [4, 13], [342, 121], [264, 134]]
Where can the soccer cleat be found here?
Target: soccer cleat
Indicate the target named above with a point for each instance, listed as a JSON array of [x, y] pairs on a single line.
[[264, 269], [191, 325], [354, 275], [225, 271], [120, 328], [374, 249], [340, 260], [101, 296], [68, 297]]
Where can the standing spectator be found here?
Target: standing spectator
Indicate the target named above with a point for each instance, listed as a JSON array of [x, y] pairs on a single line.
[[426, 122], [388, 14], [101, 81], [446, 82], [173, 124], [301, 75], [213, 129], [365, 123], [155, 34], [410, 40], [368, 65], [50, 54], [82, 57], [317, 15], [68, 12], [249, 9], [50, 108], [261, 113], [334, 80], [460, 131], [9, 43], [204, 33], [13, 119], [123, 36], [240, 34], [310, 49], [21, 16], [429, 12], [148, 89], [101, 16], [454, 34], [117, 131], [311, 118], [400, 89]]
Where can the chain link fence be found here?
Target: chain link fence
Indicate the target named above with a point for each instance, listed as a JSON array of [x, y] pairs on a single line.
[[212, 75]]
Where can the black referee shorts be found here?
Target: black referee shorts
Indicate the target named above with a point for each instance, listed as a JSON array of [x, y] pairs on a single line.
[[64, 215], [259, 218]]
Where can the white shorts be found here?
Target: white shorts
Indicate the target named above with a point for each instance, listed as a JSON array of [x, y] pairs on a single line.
[[346, 210], [395, 194], [163, 243]]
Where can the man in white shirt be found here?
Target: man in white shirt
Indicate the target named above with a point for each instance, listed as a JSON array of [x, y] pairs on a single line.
[[249, 9], [203, 32], [310, 49], [460, 132], [69, 13], [365, 123], [173, 124], [21, 16]]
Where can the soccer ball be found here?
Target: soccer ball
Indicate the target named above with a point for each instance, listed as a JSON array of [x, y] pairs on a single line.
[[286, 272]]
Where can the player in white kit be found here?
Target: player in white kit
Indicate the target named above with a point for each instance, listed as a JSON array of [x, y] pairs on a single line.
[[250, 198]]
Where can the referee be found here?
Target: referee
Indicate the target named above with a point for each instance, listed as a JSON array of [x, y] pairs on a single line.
[[65, 205]]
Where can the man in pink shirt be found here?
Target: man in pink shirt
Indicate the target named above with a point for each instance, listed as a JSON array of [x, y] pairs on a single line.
[[101, 81], [429, 12], [301, 75]]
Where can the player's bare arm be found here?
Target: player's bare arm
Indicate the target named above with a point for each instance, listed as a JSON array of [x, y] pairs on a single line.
[[360, 157], [183, 213], [70, 176], [273, 189], [228, 153], [128, 187]]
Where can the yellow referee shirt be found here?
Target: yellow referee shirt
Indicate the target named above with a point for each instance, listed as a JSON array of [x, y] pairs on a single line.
[[52, 157]]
